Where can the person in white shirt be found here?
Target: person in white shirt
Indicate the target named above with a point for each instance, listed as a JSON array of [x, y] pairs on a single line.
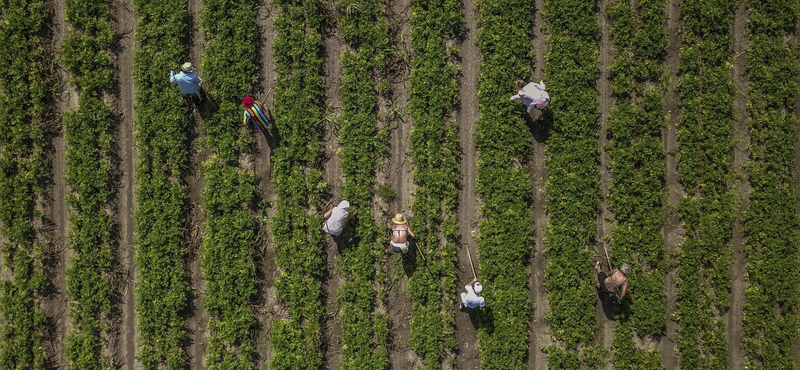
[[533, 95], [334, 218], [472, 297]]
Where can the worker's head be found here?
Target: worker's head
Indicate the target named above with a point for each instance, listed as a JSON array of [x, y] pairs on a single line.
[[344, 205], [478, 288], [626, 268], [398, 219], [187, 67], [247, 102], [520, 84]]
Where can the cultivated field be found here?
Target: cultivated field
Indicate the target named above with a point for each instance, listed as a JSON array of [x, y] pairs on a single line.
[[141, 231]]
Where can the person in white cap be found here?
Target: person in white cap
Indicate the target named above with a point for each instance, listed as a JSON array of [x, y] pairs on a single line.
[[187, 81], [533, 95], [472, 297], [400, 233], [334, 218]]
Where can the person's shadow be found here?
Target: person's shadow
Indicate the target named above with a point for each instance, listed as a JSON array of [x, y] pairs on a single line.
[[607, 302], [474, 316], [539, 123]]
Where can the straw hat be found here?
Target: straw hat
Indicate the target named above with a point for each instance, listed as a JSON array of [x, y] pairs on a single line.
[[187, 67], [398, 219]]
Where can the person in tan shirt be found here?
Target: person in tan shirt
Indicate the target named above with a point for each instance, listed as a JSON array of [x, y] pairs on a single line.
[[613, 281]]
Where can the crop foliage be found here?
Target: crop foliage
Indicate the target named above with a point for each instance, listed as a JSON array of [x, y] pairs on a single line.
[[636, 196], [704, 169], [502, 142], [228, 256], [162, 149], [435, 151], [572, 187], [85, 53], [772, 226], [24, 93], [296, 226]]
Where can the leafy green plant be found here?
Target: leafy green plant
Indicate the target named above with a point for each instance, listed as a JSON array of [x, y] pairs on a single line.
[[636, 195], [298, 51], [435, 153], [572, 186], [771, 312], [231, 70], [504, 240], [704, 169], [85, 53], [365, 29], [162, 148], [24, 94]]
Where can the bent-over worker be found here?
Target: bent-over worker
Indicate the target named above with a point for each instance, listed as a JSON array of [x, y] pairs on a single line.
[[188, 81], [533, 95], [615, 279], [334, 218], [472, 297], [256, 113], [400, 233]]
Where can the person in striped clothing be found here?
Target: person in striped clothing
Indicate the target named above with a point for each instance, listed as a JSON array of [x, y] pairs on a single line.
[[256, 113]]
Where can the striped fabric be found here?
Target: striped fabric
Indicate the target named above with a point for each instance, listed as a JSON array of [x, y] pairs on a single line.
[[258, 115]]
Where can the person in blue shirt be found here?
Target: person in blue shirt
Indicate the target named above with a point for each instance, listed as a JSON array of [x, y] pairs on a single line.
[[187, 81]]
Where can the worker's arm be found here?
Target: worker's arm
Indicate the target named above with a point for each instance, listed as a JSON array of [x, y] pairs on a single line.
[[540, 85], [327, 214], [172, 78], [351, 216], [410, 232], [475, 280], [198, 80], [516, 97], [244, 123], [624, 290]]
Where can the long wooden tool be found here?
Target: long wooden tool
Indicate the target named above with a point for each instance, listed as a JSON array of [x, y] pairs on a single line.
[[471, 265], [607, 259]]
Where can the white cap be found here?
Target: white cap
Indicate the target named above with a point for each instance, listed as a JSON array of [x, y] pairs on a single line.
[[478, 288]]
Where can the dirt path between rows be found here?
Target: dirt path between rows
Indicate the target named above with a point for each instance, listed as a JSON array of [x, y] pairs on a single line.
[[197, 320], [673, 228], [266, 268], [124, 346], [539, 330], [741, 137], [332, 326], [604, 311], [396, 174], [54, 205], [466, 333]]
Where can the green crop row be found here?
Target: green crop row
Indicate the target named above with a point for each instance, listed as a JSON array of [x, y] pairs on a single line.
[[162, 147], [704, 169], [85, 53], [24, 96], [299, 183], [772, 225], [365, 29], [231, 70], [503, 143], [572, 186], [435, 152], [639, 78]]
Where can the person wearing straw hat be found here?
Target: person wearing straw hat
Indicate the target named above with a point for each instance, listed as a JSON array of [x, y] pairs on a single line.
[[614, 280], [256, 113], [334, 218], [533, 95], [472, 297], [188, 81], [400, 232]]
